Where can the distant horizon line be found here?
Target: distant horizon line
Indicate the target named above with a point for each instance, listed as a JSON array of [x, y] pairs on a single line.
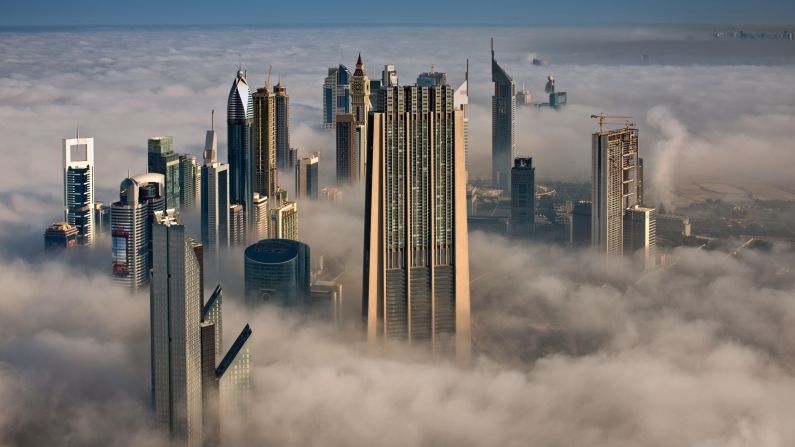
[[738, 26]]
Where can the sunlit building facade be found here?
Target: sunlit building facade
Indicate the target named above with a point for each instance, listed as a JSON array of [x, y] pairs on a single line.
[[416, 260]]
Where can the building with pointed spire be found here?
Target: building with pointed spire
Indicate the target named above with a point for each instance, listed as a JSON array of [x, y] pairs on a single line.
[[78, 186], [239, 120], [360, 93], [214, 196], [503, 123], [282, 109], [336, 95], [416, 257]]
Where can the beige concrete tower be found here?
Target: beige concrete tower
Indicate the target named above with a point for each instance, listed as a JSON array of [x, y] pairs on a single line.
[[416, 255]]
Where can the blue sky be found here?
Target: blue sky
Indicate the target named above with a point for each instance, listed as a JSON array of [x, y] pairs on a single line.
[[153, 12]]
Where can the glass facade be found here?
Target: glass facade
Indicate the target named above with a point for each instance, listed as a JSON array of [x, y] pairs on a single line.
[[277, 270]]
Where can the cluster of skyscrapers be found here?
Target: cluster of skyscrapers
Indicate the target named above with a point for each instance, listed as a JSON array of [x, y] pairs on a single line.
[[408, 144]]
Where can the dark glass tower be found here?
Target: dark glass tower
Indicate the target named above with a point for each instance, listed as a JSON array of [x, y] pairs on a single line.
[[282, 126], [277, 270], [503, 122], [523, 197], [162, 159], [239, 119]]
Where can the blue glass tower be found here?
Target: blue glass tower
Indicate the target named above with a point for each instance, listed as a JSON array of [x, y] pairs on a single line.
[[239, 119]]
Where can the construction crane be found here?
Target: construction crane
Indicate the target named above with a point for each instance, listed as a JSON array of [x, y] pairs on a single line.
[[268, 81], [603, 120]]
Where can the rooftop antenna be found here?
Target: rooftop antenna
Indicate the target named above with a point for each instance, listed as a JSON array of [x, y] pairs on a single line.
[[212, 120], [78, 132], [268, 81], [466, 75]]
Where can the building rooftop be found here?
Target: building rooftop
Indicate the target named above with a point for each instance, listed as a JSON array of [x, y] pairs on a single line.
[[273, 251]]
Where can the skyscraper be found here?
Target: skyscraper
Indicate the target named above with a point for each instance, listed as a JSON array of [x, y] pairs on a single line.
[[431, 78], [260, 218], [461, 102], [360, 93], [640, 234], [284, 221], [162, 159], [234, 382], [350, 143], [282, 126], [614, 186], [190, 175], [239, 119], [523, 197], [336, 95], [175, 310], [416, 266], [78, 186], [214, 196], [277, 270], [389, 77], [60, 236], [306, 176], [131, 219], [503, 122], [237, 224], [580, 234], [264, 154]]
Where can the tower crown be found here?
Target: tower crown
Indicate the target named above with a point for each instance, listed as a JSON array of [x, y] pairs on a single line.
[[359, 67]]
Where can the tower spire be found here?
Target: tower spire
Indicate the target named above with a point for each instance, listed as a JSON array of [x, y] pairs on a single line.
[[212, 120], [466, 75], [492, 48], [78, 133]]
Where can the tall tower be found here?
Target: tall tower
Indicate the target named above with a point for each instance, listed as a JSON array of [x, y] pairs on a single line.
[[190, 175], [162, 159], [336, 95], [239, 119], [306, 176], [614, 186], [214, 196], [131, 219], [282, 126], [264, 154], [78, 186], [416, 257], [523, 197], [175, 310], [503, 123], [360, 92], [349, 144], [461, 101]]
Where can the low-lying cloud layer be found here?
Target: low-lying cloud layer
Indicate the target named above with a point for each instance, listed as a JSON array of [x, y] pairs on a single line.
[[567, 351], [697, 354]]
